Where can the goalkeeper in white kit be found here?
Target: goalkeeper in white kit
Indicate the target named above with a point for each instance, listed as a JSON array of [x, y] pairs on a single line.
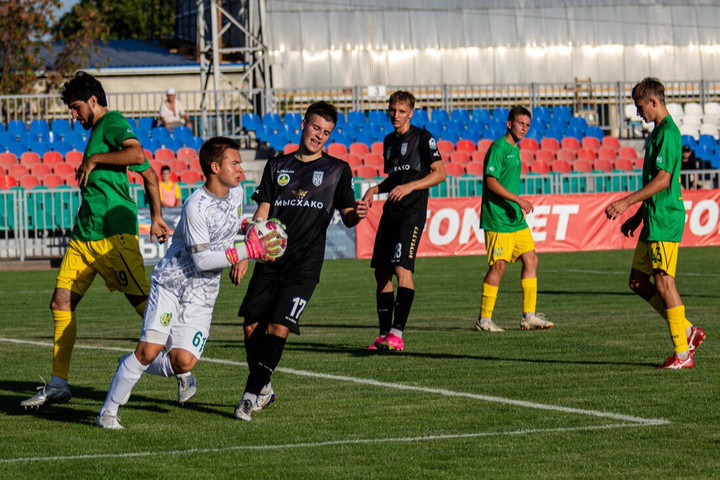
[[186, 282]]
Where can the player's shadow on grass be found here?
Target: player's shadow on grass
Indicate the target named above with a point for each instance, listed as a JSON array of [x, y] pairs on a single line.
[[627, 293], [86, 403], [362, 352]]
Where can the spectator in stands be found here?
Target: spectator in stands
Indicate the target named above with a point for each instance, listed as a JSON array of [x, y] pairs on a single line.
[[105, 236], [689, 162], [507, 235], [172, 113], [662, 215], [413, 165], [169, 190]]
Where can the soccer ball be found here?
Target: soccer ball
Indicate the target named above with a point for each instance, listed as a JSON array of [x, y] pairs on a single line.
[[265, 227]]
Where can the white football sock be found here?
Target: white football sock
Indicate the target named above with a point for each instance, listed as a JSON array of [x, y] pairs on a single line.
[[161, 365], [126, 376], [397, 332]]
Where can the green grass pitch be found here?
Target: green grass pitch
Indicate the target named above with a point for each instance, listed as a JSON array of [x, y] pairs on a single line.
[[581, 400]]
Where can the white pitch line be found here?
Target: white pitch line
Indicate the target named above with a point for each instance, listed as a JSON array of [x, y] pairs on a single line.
[[329, 443], [400, 386]]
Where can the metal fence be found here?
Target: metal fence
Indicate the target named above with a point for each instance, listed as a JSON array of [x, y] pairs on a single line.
[[220, 113]]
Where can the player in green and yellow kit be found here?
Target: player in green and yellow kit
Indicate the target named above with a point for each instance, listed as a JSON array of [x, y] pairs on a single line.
[[105, 236], [507, 235], [662, 214]]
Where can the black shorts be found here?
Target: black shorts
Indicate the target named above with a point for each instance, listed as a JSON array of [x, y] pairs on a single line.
[[396, 245], [274, 299]]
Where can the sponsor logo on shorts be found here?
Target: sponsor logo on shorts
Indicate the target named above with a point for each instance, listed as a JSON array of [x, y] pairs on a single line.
[[165, 319], [283, 179], [413, 243], [497, 251]]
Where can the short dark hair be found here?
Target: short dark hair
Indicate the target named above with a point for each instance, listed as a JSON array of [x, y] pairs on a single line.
[[402, 96], [164, 168], [518, 111], [213, 150], [81, 87], [325, 109], [647, 88]]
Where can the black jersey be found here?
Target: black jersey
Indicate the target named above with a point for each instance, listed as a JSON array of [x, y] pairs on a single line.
[[304, 195], [407, 158]]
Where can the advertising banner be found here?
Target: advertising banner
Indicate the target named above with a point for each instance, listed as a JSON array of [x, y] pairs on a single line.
[[559, 223]]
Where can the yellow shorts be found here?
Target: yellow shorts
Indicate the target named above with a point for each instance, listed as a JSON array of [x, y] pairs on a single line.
[[651, 257], [508, 246], [117, 259]]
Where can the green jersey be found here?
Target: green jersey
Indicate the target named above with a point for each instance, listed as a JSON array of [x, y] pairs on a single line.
[[107, 208], [502, 162], [663, 213]]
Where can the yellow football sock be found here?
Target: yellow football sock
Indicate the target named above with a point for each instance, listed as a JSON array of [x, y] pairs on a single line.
[[65, 335], [529, 289], [657, 303], [140, 308], [677, 322], [487, 303]]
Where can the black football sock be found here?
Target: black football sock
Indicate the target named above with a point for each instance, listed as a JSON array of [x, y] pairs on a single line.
[[403, 303], [253, 345], [267, 361], [385, 304]]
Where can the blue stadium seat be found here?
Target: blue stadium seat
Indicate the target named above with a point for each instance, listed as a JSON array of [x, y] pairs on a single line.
[[343, 138], [500, 113], [131, 121], [461, 115], [558, 124], [17, 148], [16, 126], [578, 123], [689, 140], [39, 127], [704, 152], [594, 131], [40, 147], [440, 115], [378, 117], [341, 119], [420, 118], [160, 133], [708, 141], [182, 132], [146, 123], [61, 126], [481, 115], [357, 119], [250, 121], [273, 121], [575, 133], [294, 120], [562, 111], [62, 147]]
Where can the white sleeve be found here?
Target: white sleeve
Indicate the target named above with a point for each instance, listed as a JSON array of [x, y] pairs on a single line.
[[209, 260], [197, 240]]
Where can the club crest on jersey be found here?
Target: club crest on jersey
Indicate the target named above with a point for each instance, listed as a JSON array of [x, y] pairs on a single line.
[[432, 144], [239, 211], [165, 319], [318, 176], [403, 148], [283, 179]]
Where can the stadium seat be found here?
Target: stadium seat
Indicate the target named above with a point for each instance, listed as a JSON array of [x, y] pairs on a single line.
[[377, 147], [566, 155], [164, 155], [440, 115], [526, 157], [465, 145], [624, 164], [294, 120], [365, 171], [374, 160], [547, 156], [70, 180], [454, 169], [540, 166], [603, 165], [146, 124], [40, 170], [52, 181], [337, 149], [16, 126], [290, 148], [64, 169], [627, 152], [18, 171], [582, 165], [693, 108], [484, 144], [570, 143], [61, 126], [611, 142], [478, 156], [29, 181], [445, 146], [357, 119], [30, 158], [460, 158], [353, 159], [586, 154], [607, 153], [7, 182], [594, 131], [549, 143], [560, 166], [529, 144], [191, 177], [709, 129], [250, 121], [187, 154], [75, 157], [360, 149], [7, 159], [178, 166], [591, 143]]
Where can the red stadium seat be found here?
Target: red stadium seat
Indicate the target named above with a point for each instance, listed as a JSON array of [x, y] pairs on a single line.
[[625, 164], [460, 157], [148, 154], [465, 145], [566, 155], [289, 148], [30, 158], [570, 143], [360, 149], [611, 142], [337, 149], [40, 170], [607, 153], [627, 152], [353, 160], [52, 181], [187, 154], [365, 171], [164, 154], [75, 157], [475, 169], [7, 182], [549, 143], [374, 160], [454, 169], [540, 166], [591, 143], [18, 171], [70, 180], [30, 181], [529, 144], [585, 154], [52, 158], [377, 148], [63, 169], [527, 157], [547, 156], [445, 146], [603, 165], [561, 166], [478, 156], [524, 168], [582, 165], [191, 177], [484, 144], [179, 166]]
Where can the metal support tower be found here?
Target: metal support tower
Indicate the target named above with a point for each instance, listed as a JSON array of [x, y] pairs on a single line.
[[235, 28]]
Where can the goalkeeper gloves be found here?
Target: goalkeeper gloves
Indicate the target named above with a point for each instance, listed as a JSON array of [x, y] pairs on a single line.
[[265, 248]]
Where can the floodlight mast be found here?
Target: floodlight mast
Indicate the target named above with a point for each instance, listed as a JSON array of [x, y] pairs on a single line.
[[251, 90]]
